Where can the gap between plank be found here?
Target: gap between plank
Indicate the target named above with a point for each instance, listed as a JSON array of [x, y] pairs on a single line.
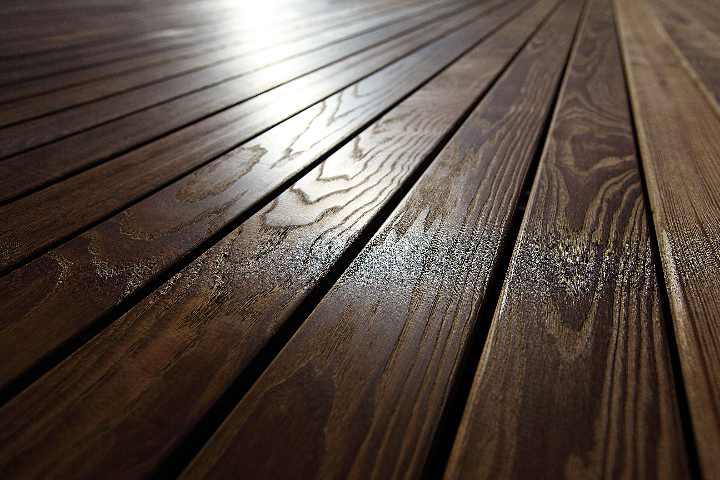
[[683, 407], [178, 459], [442, 444], [75, 343]]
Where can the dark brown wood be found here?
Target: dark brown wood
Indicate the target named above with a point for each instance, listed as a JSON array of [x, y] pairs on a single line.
[[220, 86], [577, 347], [698, 47], [144, 31], [208, 322], [364, 380], [93, 194], [214, 36], [681, 160], [156, 84], [92, 273]]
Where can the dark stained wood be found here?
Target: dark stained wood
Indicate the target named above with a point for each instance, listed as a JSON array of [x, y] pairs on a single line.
[[119, 256], [195, 73], [144, 31], [93, 194], [185, 181], [698, 47], [186, 43], [681, 160], [30, 99], [209, 321], [577, 349], [217, 87], [366, 377]]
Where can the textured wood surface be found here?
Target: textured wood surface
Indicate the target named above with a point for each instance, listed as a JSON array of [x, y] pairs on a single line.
[[681, 159], [93, 194], [267, 239], [193, 69], [120, 256], [214, 88], [256, 276], [699, 48], [560, 391], [367, 375]]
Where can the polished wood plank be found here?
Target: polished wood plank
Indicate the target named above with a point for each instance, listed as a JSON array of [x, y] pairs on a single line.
[[699, 48], [575, 378], [164, 44], [156, 84], [681, 160], [215, 88], [208, 322], [121, 255], [365, 379], [104, 190]]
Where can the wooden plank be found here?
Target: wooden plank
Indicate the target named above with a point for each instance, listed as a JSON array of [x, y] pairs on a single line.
[[364, 380], [575, 379], [681, 160], [209, 321], [217, 40], [698, 48], [233, 62], [216, 88], [104, 190], [706, 11], [123, 36], [79, 282]]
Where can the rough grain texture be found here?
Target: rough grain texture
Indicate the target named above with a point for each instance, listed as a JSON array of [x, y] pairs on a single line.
[[575, 378], [73, 285], [169, 359], [366, 377], [681, 160]]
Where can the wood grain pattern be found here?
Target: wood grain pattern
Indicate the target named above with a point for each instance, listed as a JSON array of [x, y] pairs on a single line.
[[93, 194], [235, 60], [209, 321], [681, 160], [141, 32], [364, 380], [220, 86], [575, 378], [230, 31], [119, 256], [699, 48]]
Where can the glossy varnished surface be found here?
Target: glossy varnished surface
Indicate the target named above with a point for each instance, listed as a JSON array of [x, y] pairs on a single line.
[[288, 239]]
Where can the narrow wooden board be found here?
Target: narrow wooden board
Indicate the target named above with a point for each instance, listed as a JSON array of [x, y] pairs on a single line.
[[220, 132], [706, 11], [217, 87], [104, 190], [167, 361], [219, 36], [154, 34], [698, 48], [681, 159], [359, 390], [77, 283], [161, 83], [575, 379]]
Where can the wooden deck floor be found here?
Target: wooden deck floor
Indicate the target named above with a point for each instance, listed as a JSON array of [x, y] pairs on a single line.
[[302, 239]]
